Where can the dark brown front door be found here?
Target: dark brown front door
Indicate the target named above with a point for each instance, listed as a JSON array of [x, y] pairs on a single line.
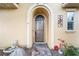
[[39, 28]]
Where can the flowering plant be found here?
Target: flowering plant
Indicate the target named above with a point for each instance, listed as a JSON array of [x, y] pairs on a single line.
[[59, 45], [56, 48]]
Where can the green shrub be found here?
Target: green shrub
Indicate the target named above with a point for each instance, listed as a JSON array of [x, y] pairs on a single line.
[[71, 51]]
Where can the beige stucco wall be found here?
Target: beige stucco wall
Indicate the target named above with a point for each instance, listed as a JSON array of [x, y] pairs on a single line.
[[71, 38], [13, 25]]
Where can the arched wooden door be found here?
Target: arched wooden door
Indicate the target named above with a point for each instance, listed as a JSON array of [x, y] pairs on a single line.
[[39, 28]]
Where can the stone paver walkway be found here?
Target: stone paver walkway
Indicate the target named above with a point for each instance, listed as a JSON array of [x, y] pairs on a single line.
[[41, 50], [36, 50], [18, 52]]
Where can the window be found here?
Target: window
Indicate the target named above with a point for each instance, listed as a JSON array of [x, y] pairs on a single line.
[[70, 20]]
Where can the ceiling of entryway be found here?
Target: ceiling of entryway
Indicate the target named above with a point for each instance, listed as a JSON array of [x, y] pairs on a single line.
[[9, 5], [70, 5], [40, 11]]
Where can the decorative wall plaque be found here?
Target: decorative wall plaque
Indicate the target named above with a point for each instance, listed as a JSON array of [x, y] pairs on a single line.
[[60, 21]]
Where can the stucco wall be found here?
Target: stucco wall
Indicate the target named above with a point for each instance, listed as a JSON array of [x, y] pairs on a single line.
[[13, 25], [71, 38]]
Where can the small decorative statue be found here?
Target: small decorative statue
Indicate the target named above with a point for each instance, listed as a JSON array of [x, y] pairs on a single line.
[[15, 44], [11, 49], [15, 50]]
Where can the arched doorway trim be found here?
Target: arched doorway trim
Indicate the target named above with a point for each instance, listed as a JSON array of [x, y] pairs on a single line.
[[29, 25]]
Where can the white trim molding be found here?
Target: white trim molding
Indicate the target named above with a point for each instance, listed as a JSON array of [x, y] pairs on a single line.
[[71, 10]]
